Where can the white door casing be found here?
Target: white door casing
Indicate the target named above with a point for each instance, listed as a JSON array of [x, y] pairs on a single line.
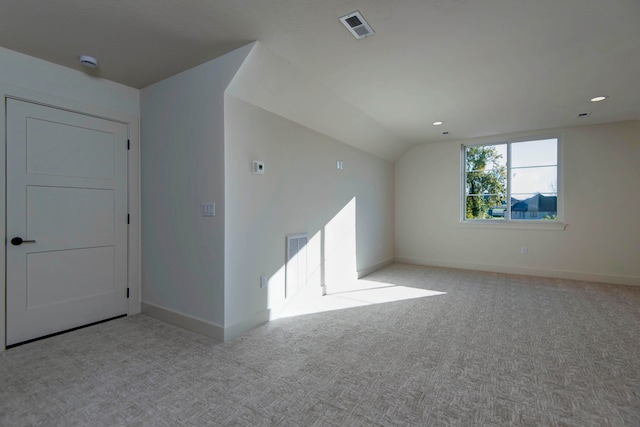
[[66, 189]]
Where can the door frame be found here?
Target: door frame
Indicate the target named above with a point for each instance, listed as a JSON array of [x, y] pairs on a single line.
[[133, 197]]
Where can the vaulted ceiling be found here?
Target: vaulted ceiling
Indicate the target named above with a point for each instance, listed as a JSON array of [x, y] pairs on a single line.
[[483, 67]]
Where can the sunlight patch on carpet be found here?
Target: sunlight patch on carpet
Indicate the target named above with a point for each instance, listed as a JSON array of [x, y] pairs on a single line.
[[374, 293]]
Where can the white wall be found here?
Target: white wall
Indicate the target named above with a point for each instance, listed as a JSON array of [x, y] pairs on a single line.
[[24, 71], [301, 191], [30, 78], [600, 243], [182, 167], [203, 273]]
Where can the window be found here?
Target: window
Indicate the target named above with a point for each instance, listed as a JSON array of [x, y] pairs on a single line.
[[511, 181]]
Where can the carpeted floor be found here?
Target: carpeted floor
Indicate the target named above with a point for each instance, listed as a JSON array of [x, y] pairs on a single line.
[[483, 349]]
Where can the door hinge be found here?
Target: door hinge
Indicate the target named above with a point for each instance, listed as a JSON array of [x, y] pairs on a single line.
[[128, 144], [127, 292], [128, 218]]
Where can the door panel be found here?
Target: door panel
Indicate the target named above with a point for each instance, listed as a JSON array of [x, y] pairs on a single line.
[[80, 273], [65, 150], [75, 212], [67, 190]]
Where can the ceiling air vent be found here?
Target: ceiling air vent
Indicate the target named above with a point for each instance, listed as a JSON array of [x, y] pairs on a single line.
[[357, 25]]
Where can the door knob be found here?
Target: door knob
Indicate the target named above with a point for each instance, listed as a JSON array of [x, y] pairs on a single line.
[[17, 241]]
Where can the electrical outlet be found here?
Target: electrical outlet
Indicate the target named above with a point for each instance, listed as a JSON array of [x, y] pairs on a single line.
[[525, 250], [263, 282]]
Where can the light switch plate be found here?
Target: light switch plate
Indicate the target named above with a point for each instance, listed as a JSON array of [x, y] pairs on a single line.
[[208, 209], [258, 168]]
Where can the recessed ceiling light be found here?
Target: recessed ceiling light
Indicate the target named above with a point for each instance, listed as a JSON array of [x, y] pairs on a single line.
[[599, 98], [438, 123]]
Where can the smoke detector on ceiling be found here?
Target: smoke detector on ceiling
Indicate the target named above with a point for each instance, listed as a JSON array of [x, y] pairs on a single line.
[[88, 61], [357, 25]]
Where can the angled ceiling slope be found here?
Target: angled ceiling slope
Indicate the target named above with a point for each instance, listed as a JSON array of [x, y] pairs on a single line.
[[268, 81]]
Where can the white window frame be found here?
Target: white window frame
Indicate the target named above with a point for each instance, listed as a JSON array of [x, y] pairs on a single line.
[[508, 222]]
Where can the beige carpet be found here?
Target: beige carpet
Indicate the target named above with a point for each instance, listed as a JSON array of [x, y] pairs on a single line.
[[476, 349]]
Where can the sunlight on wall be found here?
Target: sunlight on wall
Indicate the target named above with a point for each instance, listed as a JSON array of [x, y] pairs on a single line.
[[340, 249], [329, 259]]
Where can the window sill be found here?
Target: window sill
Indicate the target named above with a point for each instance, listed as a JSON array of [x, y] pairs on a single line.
[[515, 225]]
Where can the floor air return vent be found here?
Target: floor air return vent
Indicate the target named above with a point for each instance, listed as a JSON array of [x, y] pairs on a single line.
[[296, 267]]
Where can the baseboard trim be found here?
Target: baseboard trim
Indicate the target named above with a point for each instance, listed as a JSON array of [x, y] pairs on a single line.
[[194, 324], [237, 329], [559, 274], [369, 270]]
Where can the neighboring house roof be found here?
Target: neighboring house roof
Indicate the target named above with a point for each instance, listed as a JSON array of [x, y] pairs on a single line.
[[539, 203]]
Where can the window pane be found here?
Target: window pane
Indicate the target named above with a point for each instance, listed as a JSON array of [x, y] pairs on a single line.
[[485, 207], [534, 180], [487, 182], [534, 206], [485, 157], [532, 169], [534, 153]]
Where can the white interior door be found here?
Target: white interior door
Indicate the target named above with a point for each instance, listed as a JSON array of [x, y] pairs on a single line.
[[66, 191]]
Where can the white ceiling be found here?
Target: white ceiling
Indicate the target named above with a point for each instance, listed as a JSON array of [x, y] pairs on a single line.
[[484, 67]]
